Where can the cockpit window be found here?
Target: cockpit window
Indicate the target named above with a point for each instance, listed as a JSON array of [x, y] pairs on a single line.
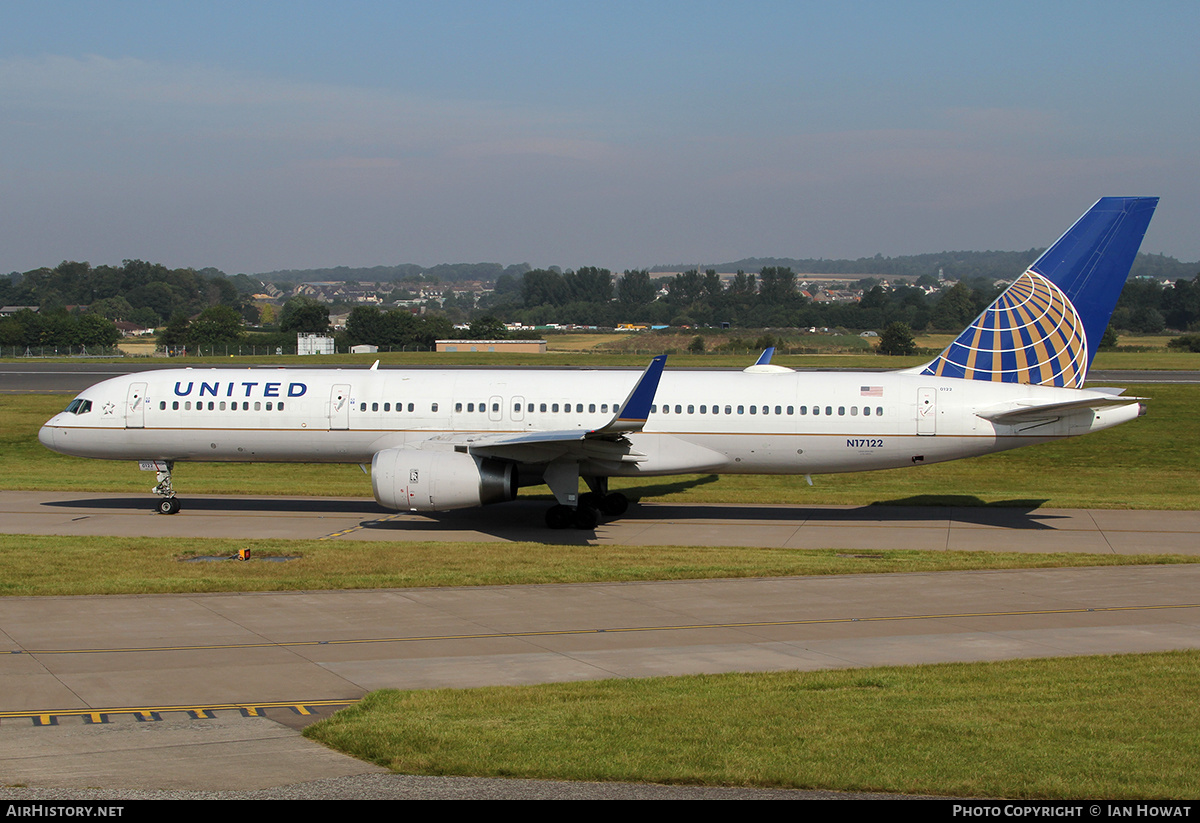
[[79, 406]]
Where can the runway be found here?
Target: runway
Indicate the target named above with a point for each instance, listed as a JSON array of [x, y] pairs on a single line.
[[204, 692], [168, 691], [985, 528]]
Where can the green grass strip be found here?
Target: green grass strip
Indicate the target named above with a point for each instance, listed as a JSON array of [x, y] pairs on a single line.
[[1116, 727], [51, 565]]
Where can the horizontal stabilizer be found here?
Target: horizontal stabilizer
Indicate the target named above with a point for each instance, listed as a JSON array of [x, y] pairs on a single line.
[[1012, 413]]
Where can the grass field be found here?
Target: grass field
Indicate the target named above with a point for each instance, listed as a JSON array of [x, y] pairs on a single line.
[[36, 565], [1089, 727]]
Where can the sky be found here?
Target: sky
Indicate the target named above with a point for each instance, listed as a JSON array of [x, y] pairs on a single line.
[[258, 136]]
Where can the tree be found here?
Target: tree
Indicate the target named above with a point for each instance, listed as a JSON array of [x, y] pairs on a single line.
[[897, 339], [214, 326], [635, 288], [303, 314], [1108, 341], [487, 328], [176, 331]]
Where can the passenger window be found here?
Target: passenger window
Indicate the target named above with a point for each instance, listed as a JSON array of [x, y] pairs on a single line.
[[729, 410], [754, 409], [374, 407], [412, 407], [458, 407], [604, 408], [741, 409], [257, 405], [816, 410], [554, 407], [704, 409], [792, 410], [279, 407], [854, 411], [879, 411], [175, 405], [829, 410], [691, 409], [162, 405], [432, 406], [591, 408]]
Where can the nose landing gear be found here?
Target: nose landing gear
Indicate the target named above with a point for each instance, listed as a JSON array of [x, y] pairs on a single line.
[[170, 503]]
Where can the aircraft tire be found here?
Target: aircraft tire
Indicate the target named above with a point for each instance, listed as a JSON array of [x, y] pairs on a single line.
[[558, 517], [614, 504], [585, 518], [592, 500], [168, 505]]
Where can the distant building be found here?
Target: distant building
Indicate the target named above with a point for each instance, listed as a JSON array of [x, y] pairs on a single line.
[[314, 344]]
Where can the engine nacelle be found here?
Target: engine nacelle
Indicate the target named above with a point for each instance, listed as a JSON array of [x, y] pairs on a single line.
[[434, 481]]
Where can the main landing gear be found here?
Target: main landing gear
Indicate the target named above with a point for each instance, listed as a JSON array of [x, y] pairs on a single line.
[[169, 503], [586, 513]]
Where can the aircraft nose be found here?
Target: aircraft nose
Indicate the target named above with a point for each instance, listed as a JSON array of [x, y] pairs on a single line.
[[46, 436]]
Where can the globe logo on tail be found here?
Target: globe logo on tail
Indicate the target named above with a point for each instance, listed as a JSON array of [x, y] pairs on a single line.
[[1031, 334]]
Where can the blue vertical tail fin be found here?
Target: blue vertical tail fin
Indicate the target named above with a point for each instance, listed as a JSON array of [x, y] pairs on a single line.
[[1044, 329]]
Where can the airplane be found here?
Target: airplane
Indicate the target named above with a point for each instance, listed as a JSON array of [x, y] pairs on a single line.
[[440, 440]]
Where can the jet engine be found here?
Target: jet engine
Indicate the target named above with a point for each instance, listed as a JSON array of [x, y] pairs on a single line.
[[428, 481]]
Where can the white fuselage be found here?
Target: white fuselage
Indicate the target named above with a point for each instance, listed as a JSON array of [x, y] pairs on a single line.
[[719, 421]]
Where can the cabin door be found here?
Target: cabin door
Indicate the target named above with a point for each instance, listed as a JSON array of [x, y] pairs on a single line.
[[926, 411], [135, 416], [339, 406]]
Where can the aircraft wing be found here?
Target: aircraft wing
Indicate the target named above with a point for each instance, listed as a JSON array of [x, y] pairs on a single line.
[[1023, 412], [604, 443]]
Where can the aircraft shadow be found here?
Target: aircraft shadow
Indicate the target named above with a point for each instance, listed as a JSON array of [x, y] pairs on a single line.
[[281, 505], [524, 519]]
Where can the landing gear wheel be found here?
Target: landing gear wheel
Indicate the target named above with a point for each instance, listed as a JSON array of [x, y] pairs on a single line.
[[585, 518], [168, 505], [615, 504], [559, 517]]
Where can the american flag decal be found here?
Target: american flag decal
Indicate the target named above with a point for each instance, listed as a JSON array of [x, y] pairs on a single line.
[[872, 391]]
